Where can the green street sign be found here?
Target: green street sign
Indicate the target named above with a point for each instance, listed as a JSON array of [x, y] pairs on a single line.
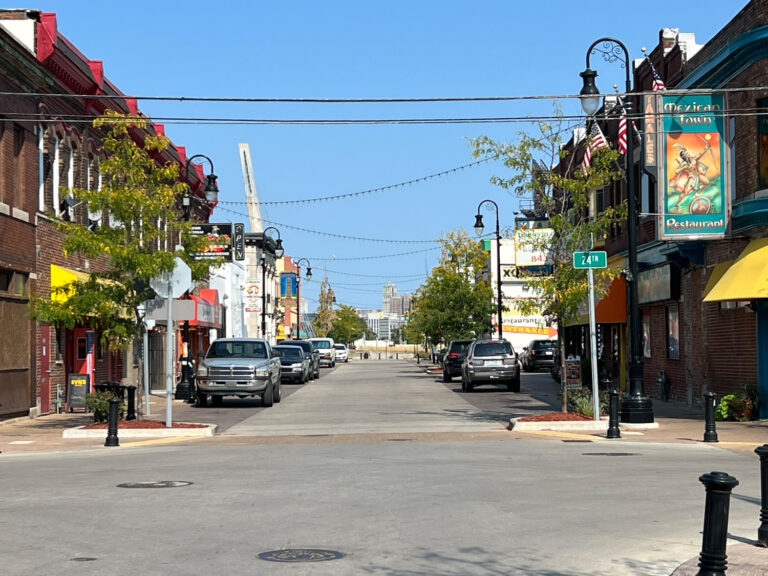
[[590, 259]]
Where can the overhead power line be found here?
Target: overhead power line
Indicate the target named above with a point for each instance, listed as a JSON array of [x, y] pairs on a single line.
[[401, 100], [331, 234]]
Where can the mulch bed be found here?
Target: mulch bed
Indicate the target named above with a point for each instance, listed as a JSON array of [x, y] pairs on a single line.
[[555, 417], [141, 424]]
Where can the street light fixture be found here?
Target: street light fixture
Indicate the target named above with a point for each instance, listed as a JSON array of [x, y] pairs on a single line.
[[185, 390], [298, 292], [211, 188], [479, 230], [278, 252], [636, 406]]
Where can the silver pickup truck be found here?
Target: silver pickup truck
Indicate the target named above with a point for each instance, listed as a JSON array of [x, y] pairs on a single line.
[[239, 367]]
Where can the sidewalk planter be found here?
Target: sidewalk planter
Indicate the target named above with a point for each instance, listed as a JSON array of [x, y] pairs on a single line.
[[205, 431]]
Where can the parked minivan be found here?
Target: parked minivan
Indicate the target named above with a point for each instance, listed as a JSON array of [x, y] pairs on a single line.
[[326, 349]]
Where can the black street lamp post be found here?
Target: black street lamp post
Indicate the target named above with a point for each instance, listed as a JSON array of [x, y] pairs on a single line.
[[279, 254], [636, 406], [479, 229], [185, 390], [298, 292]]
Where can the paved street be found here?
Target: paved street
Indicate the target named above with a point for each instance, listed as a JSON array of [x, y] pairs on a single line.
[[385, 465]]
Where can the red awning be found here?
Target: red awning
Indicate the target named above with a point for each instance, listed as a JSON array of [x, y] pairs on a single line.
[[207, 309]]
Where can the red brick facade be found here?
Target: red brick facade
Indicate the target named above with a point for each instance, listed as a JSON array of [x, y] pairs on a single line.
[[40, 163]]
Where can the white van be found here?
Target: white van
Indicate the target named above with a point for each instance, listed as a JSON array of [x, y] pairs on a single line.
[[326, 349]]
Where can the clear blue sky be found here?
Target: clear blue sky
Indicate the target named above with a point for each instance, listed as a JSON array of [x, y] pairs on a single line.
[[354, 49]]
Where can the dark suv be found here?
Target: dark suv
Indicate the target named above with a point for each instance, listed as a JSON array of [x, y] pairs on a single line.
[[309, 348], [538, 354], [454, 356]]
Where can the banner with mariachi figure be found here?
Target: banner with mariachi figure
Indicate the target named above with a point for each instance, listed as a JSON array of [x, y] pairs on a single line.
[[695, 176]]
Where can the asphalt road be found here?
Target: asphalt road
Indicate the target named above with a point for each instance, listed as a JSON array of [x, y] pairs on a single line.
[[387, 467]]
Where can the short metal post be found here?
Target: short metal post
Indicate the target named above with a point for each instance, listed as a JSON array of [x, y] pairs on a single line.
[[112, 439], [762, 532], [710, 429], [131, 413], [613, 415], [712, 560], [418, 359]]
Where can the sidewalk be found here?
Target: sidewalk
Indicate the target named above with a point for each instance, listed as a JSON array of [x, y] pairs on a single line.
[[44, 434]]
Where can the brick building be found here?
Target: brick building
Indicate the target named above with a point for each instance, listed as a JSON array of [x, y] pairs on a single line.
[[703, 305], [48, 148]]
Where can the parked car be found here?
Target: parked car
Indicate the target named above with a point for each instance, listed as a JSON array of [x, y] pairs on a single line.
[[342, 354], [489, 362], [311, 351], [538, 354], [453, 357], [295, 365], [239, 367], [326, 349]]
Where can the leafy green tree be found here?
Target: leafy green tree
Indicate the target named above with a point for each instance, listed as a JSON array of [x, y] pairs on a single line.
[[347, 326], [136, 194], [326, 315], [566, 195], [456, 301]]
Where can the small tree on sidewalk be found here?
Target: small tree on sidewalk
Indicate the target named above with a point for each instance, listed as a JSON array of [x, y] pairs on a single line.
[[127, 246], [565, 194]]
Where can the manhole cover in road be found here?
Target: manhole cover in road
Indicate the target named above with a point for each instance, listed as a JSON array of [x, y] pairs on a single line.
[[157, 484], [84, 559], [300, 555], [610, 454]]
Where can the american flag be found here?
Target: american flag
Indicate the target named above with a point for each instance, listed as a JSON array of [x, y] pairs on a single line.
[[658, 83], [595, 141], [622, 138]]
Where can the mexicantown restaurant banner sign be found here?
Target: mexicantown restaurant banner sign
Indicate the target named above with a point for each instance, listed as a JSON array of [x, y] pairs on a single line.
[[695, 183]]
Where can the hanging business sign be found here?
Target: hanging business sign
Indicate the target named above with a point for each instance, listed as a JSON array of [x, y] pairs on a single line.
[[219, 238], [288, 285], [252, 297], [695, 177], [532, 246]]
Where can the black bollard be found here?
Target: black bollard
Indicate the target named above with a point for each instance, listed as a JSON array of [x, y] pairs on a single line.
[[112, 439], [613, 415], [712, 560], [710, 430], [762, 532], [131, 414]]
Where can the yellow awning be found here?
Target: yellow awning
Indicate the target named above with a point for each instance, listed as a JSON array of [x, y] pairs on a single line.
[[745, 279], [61, 277], [717, 273]]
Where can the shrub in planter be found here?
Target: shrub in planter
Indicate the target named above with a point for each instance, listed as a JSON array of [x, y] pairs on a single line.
[[580, 400], [739, 407], [98, 403]]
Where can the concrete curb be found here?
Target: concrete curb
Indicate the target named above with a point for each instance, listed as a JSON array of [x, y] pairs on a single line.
[[565, 425], [208, 431], [576, 425]]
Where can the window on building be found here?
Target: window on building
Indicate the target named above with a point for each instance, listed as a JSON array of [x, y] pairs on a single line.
[[647, 194], [762, 143], [646, 334], [18, 166], [13, 282], [673, 332]]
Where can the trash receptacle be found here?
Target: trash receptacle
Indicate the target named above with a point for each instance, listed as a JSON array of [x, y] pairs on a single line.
[[365, 355]]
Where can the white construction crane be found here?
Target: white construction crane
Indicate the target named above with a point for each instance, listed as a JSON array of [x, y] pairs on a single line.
[[251, 193]]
